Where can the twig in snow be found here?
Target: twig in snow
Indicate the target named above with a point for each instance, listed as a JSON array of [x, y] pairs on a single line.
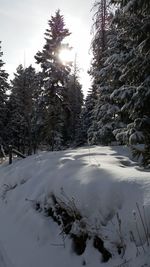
[[138, 232], [145, 219], [142, 221], [134, 240]]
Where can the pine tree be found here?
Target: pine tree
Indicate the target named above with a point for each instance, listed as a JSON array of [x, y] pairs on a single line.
[[55, 75], [104, 110], [98, 47], [38, 111], [21, 123], [134, 94], [87, 113], [3, 99], [101, 22], [74, 102], [123, 78]]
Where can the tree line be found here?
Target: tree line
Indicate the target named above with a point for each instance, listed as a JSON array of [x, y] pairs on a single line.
[[117, 107], [48, 108], [42, 108]]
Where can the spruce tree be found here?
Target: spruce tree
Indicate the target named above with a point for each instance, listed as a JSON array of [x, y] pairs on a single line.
[[74, 102], [38, 111], [98, 47], [88, 113], [3, 99], [21, 123], [134, 94], [55, 75], [103, 113], [122, 75]]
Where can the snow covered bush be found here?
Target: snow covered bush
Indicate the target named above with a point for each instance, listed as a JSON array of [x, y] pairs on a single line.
[[72, 223]]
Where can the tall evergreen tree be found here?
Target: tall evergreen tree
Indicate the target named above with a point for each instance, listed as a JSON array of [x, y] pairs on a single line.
[[3, 98], [103, 113], [123, 78], [22, 102], [88, 112], [101, 22], [74, 103], [98, 46], [55, 75], [38, 111], [134, 95]]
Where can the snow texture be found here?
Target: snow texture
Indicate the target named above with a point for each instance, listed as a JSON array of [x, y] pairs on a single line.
[[106, 186]]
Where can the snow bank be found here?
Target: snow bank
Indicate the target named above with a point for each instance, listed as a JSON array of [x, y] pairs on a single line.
[[105, 185]]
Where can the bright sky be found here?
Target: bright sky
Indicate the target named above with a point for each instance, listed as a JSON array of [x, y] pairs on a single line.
[[22, 27]]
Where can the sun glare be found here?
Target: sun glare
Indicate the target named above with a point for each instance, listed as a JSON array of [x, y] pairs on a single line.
[[66, 56], [79, 40]]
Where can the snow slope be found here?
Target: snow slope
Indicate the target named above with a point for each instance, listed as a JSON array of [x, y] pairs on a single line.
[[111, 193]]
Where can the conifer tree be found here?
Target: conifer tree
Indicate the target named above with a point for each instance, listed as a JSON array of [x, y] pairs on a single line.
[[103, 113], [132, 20], [38, 111], [88, 113], [123, 78], [98, 47], [3, 99], [101, 20], [131, 56], [74, 103], [21, 123], [55, 75]]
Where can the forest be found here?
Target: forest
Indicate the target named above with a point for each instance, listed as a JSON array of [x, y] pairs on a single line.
[[47, 108]]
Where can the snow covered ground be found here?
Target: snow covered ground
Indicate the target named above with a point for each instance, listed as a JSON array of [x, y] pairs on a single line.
[[107, 188]]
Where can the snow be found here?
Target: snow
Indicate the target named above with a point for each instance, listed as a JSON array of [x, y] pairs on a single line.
[[103, 183], [130, 4]]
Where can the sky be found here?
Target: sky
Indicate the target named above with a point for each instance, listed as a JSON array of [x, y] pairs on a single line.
[[22, 27]]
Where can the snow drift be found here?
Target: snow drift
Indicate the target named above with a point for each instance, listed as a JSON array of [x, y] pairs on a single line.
[[104, 185]]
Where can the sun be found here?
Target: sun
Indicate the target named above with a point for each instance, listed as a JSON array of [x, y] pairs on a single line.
[[66, 56]]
